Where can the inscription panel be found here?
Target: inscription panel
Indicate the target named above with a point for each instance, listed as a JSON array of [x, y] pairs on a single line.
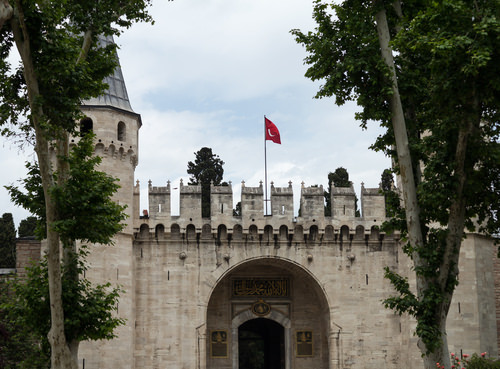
[[269, 287], [218, 344], [304, 343]]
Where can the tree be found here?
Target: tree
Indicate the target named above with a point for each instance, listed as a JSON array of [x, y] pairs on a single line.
[[427, 72], [7, 241], [61, 65], [237, 209], [206, 169], [27, 227], [391, 197], [20, 347], [339, 178]]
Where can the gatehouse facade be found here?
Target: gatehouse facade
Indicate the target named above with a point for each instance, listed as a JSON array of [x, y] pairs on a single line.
[[261, 291]]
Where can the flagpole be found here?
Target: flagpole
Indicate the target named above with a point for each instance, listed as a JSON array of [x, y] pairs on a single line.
[[265, 164]]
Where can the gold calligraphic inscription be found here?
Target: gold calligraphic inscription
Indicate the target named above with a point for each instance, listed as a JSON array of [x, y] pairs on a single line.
[[304, 343], [279, 287], [218, 344]]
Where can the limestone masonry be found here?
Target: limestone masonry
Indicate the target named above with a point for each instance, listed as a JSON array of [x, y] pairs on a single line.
[[288, 292]]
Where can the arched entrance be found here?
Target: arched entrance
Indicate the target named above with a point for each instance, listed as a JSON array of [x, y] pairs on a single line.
[[262, 309], [261, 345]]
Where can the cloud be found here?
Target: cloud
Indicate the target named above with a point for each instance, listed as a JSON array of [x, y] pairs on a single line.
[[205, 75]]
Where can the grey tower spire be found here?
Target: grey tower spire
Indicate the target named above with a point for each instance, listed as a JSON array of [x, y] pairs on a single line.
[[116, 95]]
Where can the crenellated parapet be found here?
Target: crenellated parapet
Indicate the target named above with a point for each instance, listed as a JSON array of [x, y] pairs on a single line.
[[372, 203], [279, 224]]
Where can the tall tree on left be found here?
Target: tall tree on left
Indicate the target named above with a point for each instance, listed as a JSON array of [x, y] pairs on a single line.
[[62, 64]]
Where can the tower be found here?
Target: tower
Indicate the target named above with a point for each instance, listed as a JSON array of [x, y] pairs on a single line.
[[116, 127]]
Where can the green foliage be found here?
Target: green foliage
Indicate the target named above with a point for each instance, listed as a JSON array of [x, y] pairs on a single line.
[[472, 362], [88, 310], [237, 209], [7, 241], [27, 227], [339, 178], [20, 346], [86, 211], [56, 31], [206, 169], [445, 57]]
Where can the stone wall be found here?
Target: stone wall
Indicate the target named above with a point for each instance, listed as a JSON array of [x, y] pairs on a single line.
[[28, 249]]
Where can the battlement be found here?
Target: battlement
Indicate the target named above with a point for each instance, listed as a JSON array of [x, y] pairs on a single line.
[[311, 214]]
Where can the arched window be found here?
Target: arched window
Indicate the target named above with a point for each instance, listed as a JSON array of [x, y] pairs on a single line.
[[86, 126], [121, 132]]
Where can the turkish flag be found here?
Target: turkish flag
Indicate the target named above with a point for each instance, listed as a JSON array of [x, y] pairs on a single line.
[[272, 133]]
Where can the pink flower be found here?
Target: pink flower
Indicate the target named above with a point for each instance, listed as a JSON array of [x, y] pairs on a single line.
[[483, 354], [466, 355], [452, 354]]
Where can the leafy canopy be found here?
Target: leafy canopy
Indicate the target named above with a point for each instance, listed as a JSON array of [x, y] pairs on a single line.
[[446, 61], [86, 210]]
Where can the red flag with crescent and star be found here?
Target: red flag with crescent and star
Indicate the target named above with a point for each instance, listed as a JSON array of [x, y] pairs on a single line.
[[272, 133]]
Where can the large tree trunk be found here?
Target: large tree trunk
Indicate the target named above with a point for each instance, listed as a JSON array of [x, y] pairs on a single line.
[[408, 186], [6, 12], [60, 353]]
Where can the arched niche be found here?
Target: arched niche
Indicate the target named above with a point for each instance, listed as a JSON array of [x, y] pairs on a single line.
[[313, 233], [160, 232], [191, 233], [253, 232], [298, 233], [144, 231], [175, 231], [344, 233], [360, 232], [206, 231], [329, 235], [237, 232], [221, 233], [268, 235], [303, 306], [283, 233], [374, 233]]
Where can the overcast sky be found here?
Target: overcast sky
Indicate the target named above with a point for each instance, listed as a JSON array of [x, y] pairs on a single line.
[[205, 74]]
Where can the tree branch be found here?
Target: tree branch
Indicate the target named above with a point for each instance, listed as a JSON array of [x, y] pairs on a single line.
[[6, 12], [87, 43]]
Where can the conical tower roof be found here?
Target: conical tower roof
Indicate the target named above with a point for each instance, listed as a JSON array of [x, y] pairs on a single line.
[[116, 95]]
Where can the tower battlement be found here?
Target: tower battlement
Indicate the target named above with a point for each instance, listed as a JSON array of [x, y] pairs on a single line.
[[310, 219]]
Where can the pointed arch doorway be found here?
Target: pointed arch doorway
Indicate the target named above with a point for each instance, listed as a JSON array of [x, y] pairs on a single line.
[[261, 345]]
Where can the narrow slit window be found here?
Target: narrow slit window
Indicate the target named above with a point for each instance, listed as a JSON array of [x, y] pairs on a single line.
[[121, 132]]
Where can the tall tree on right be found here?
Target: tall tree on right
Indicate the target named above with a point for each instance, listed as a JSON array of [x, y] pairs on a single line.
[[206, 169], [428, 72]]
